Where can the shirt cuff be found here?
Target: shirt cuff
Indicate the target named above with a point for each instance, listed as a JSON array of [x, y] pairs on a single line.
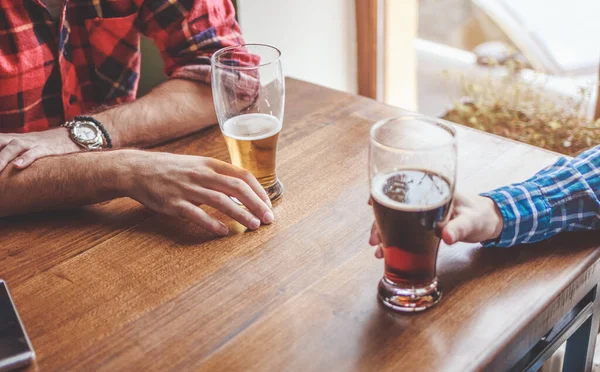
[[525, 212]]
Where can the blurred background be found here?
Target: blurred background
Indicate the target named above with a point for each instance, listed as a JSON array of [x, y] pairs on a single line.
[[400, 47], [525, 69]]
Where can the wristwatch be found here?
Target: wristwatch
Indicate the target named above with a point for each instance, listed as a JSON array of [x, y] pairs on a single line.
[[88, 133]]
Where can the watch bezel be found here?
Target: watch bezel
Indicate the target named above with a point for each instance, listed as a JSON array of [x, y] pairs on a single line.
[[78, 124]]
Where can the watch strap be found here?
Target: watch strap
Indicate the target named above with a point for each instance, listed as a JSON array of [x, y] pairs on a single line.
[[103, 130]]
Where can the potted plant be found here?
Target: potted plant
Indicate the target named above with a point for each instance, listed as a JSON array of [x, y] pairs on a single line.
[[517, 104]]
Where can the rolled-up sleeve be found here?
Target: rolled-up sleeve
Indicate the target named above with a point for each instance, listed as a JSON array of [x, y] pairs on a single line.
[[188, 32]]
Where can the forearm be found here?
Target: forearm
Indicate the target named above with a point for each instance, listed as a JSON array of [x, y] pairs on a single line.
[[61, 182], [562, 197], [171, 110]]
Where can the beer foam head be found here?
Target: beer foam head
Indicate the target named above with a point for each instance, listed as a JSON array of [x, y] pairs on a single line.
[[419, 190], [249, 127]]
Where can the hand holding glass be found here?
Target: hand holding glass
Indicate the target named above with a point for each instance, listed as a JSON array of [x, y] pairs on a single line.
[[412, 168]]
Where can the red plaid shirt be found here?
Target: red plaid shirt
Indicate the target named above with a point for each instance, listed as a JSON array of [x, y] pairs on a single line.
[[52, 71]]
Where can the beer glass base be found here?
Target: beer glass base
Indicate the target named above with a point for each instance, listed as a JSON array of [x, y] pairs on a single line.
[[275, 191], [408, 299]]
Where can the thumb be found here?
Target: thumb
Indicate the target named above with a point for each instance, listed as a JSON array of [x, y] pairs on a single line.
[[457, 230]]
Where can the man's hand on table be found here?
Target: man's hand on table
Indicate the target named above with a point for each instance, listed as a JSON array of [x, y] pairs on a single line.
[[24, 149], [473, 219], [177, 184]]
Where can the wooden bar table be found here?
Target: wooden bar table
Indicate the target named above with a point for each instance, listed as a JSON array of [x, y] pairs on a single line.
[[117, 287]]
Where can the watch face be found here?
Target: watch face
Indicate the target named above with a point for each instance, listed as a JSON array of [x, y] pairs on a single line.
[[86, 132]]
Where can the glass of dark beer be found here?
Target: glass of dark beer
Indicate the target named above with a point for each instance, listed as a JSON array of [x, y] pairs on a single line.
[[412, 169]]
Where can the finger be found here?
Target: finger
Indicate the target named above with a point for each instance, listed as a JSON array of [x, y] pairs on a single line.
[[27, 158], [195, 214], [457, 230], [229, 170], [4, 140], [374, 238], [454, 209], [13, 149], [245, 194], [439, 227], [379, 252], [224, 204]]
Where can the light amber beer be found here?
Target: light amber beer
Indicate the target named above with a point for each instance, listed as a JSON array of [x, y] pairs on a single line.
[[252, 143]]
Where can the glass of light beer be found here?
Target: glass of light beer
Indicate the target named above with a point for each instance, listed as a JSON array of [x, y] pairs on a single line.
[[249, 93], [412, 170]]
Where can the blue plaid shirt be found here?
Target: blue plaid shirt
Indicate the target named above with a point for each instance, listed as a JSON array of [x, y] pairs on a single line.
[[562, 197]]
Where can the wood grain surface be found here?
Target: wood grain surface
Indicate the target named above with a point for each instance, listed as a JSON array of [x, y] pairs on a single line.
[[116, 287]]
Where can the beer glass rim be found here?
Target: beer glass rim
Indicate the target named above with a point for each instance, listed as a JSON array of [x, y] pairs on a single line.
[[214, 59], [437, 122]]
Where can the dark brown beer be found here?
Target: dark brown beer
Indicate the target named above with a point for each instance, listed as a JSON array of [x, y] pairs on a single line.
[[408, 205]]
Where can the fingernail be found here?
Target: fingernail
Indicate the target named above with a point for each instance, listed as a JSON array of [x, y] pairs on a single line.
[[269, 203], [19, 162], [451, 236], [223, 230], [372, 241], [268, 217], [254, 223]]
